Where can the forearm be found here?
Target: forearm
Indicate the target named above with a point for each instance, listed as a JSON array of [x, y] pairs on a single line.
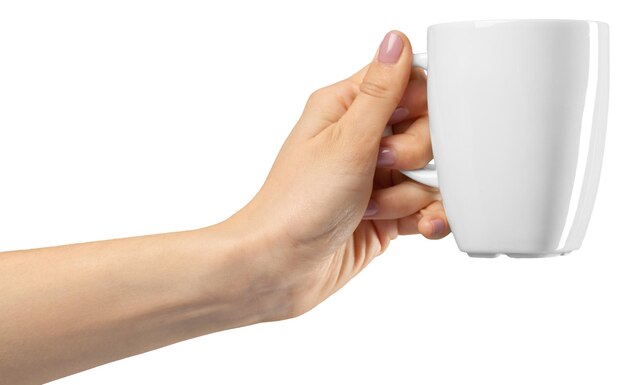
[[69, 308]]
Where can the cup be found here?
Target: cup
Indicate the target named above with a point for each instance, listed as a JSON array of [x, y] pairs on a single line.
[[517, 112]]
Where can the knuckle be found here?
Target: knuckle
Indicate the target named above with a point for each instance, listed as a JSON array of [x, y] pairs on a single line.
[[317, 96], [419, 153], [379, 89], [434, 192], [423, 156]]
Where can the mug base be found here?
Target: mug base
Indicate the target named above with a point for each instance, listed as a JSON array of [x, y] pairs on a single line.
[[517, 255]]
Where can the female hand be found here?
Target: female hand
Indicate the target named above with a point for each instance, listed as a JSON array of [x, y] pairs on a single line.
[[334, 198], [331, 203]]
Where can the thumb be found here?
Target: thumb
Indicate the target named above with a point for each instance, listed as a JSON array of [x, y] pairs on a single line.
[[380, 90]]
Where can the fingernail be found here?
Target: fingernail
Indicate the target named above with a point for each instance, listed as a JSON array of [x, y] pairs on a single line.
[[438, 226], [390, 48], [386, 157], [372, 208], [398, 115]]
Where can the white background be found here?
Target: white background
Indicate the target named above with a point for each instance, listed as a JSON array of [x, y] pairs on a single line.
[[123, 118]]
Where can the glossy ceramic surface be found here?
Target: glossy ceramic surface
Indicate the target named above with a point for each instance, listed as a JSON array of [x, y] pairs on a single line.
[[518, 113]]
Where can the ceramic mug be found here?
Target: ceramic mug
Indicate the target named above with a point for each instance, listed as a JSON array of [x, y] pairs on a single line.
[[518, 112]]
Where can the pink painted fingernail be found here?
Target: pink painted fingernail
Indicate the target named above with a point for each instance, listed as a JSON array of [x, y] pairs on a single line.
[[386, 157], [398, 115], [438, 226], [372, 208], [390, 48]]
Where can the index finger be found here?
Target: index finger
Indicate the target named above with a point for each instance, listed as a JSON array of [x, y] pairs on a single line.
[[411, 148]]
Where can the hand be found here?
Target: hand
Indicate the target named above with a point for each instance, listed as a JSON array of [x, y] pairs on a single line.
[[69, 308], [334, 198]]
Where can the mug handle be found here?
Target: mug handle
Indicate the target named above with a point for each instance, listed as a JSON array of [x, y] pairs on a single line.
[[428, 174]]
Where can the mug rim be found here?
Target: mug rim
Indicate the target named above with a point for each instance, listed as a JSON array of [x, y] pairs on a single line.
[[490, 22]]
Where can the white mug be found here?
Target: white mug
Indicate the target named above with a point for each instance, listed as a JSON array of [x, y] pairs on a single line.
[[518, 112]]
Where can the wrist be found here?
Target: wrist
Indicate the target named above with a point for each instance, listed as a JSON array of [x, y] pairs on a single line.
[[244, 267]]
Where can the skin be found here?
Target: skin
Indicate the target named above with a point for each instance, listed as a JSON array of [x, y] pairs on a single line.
[[69, 308]]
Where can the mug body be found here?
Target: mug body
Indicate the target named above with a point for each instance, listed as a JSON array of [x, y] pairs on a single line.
[[518, 115]]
